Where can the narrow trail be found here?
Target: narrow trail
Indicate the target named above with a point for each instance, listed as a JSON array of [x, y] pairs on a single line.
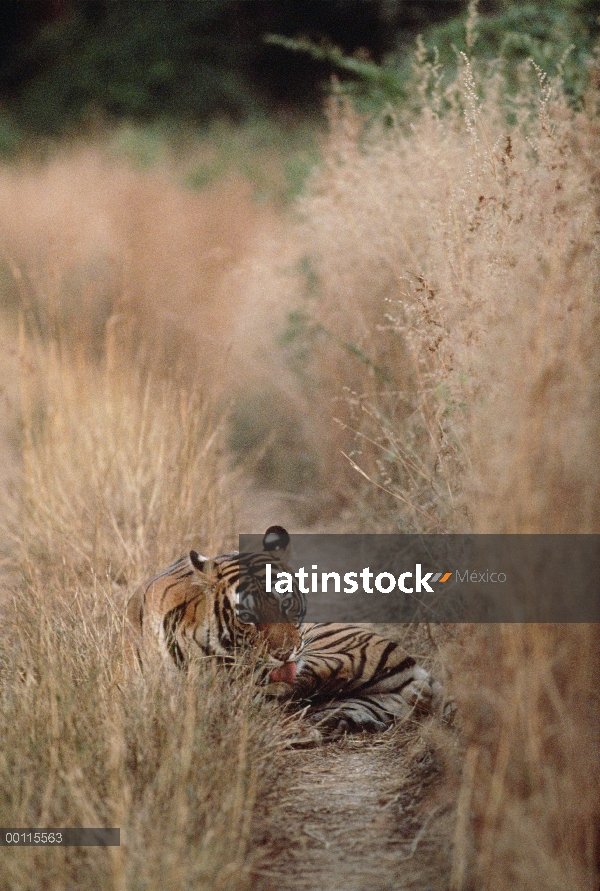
[[361, 815], [364, 814]]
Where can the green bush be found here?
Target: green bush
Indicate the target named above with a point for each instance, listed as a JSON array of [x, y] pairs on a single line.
[[558, 36]]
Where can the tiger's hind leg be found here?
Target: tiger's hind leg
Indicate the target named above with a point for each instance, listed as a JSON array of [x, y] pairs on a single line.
[[374, 712]]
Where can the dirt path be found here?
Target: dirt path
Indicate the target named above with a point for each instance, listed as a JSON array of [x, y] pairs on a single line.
[[360, 815], [365, 814]]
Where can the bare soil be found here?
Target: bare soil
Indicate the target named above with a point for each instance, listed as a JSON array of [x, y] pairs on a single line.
[[364, 814]]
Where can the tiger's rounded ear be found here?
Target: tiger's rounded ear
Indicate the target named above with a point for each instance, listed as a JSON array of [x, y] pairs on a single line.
[[198, 560], [276, 539]]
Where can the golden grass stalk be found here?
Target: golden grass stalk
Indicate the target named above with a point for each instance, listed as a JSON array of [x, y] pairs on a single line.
[[455, 321], [124, 471]]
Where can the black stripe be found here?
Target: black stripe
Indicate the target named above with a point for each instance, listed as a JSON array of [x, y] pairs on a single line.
[[171, 623], [379, 676], [335, 639], [167, 589], [384, 656]]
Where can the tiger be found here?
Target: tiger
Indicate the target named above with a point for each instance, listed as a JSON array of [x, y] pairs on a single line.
[[341, 678], [209, 607]]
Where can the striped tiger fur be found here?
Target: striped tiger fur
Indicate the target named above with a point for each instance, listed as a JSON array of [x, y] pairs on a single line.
[[208, 607], [351, 679]]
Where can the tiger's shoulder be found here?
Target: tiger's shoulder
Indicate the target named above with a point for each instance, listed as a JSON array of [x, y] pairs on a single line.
[[167, 592]]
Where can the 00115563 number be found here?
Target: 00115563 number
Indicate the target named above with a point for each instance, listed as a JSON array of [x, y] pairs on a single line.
[[20, 837], [63, 837]]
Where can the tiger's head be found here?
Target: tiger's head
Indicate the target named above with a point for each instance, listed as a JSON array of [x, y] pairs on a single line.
[[248, 614]]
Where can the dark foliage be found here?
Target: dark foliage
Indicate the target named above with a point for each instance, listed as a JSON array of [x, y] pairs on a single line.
[[67, 60], [64, 63]]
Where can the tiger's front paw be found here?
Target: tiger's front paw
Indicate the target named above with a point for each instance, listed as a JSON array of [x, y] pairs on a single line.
[[308, 738]]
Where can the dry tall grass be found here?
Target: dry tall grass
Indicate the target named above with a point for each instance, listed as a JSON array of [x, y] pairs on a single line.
[[178, 769], [87, 236], [122, 471], [456, 320], [528, 803], [116, 455], [451, 263]]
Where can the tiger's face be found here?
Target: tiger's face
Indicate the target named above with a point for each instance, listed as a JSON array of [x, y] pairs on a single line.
[[248, 614]]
